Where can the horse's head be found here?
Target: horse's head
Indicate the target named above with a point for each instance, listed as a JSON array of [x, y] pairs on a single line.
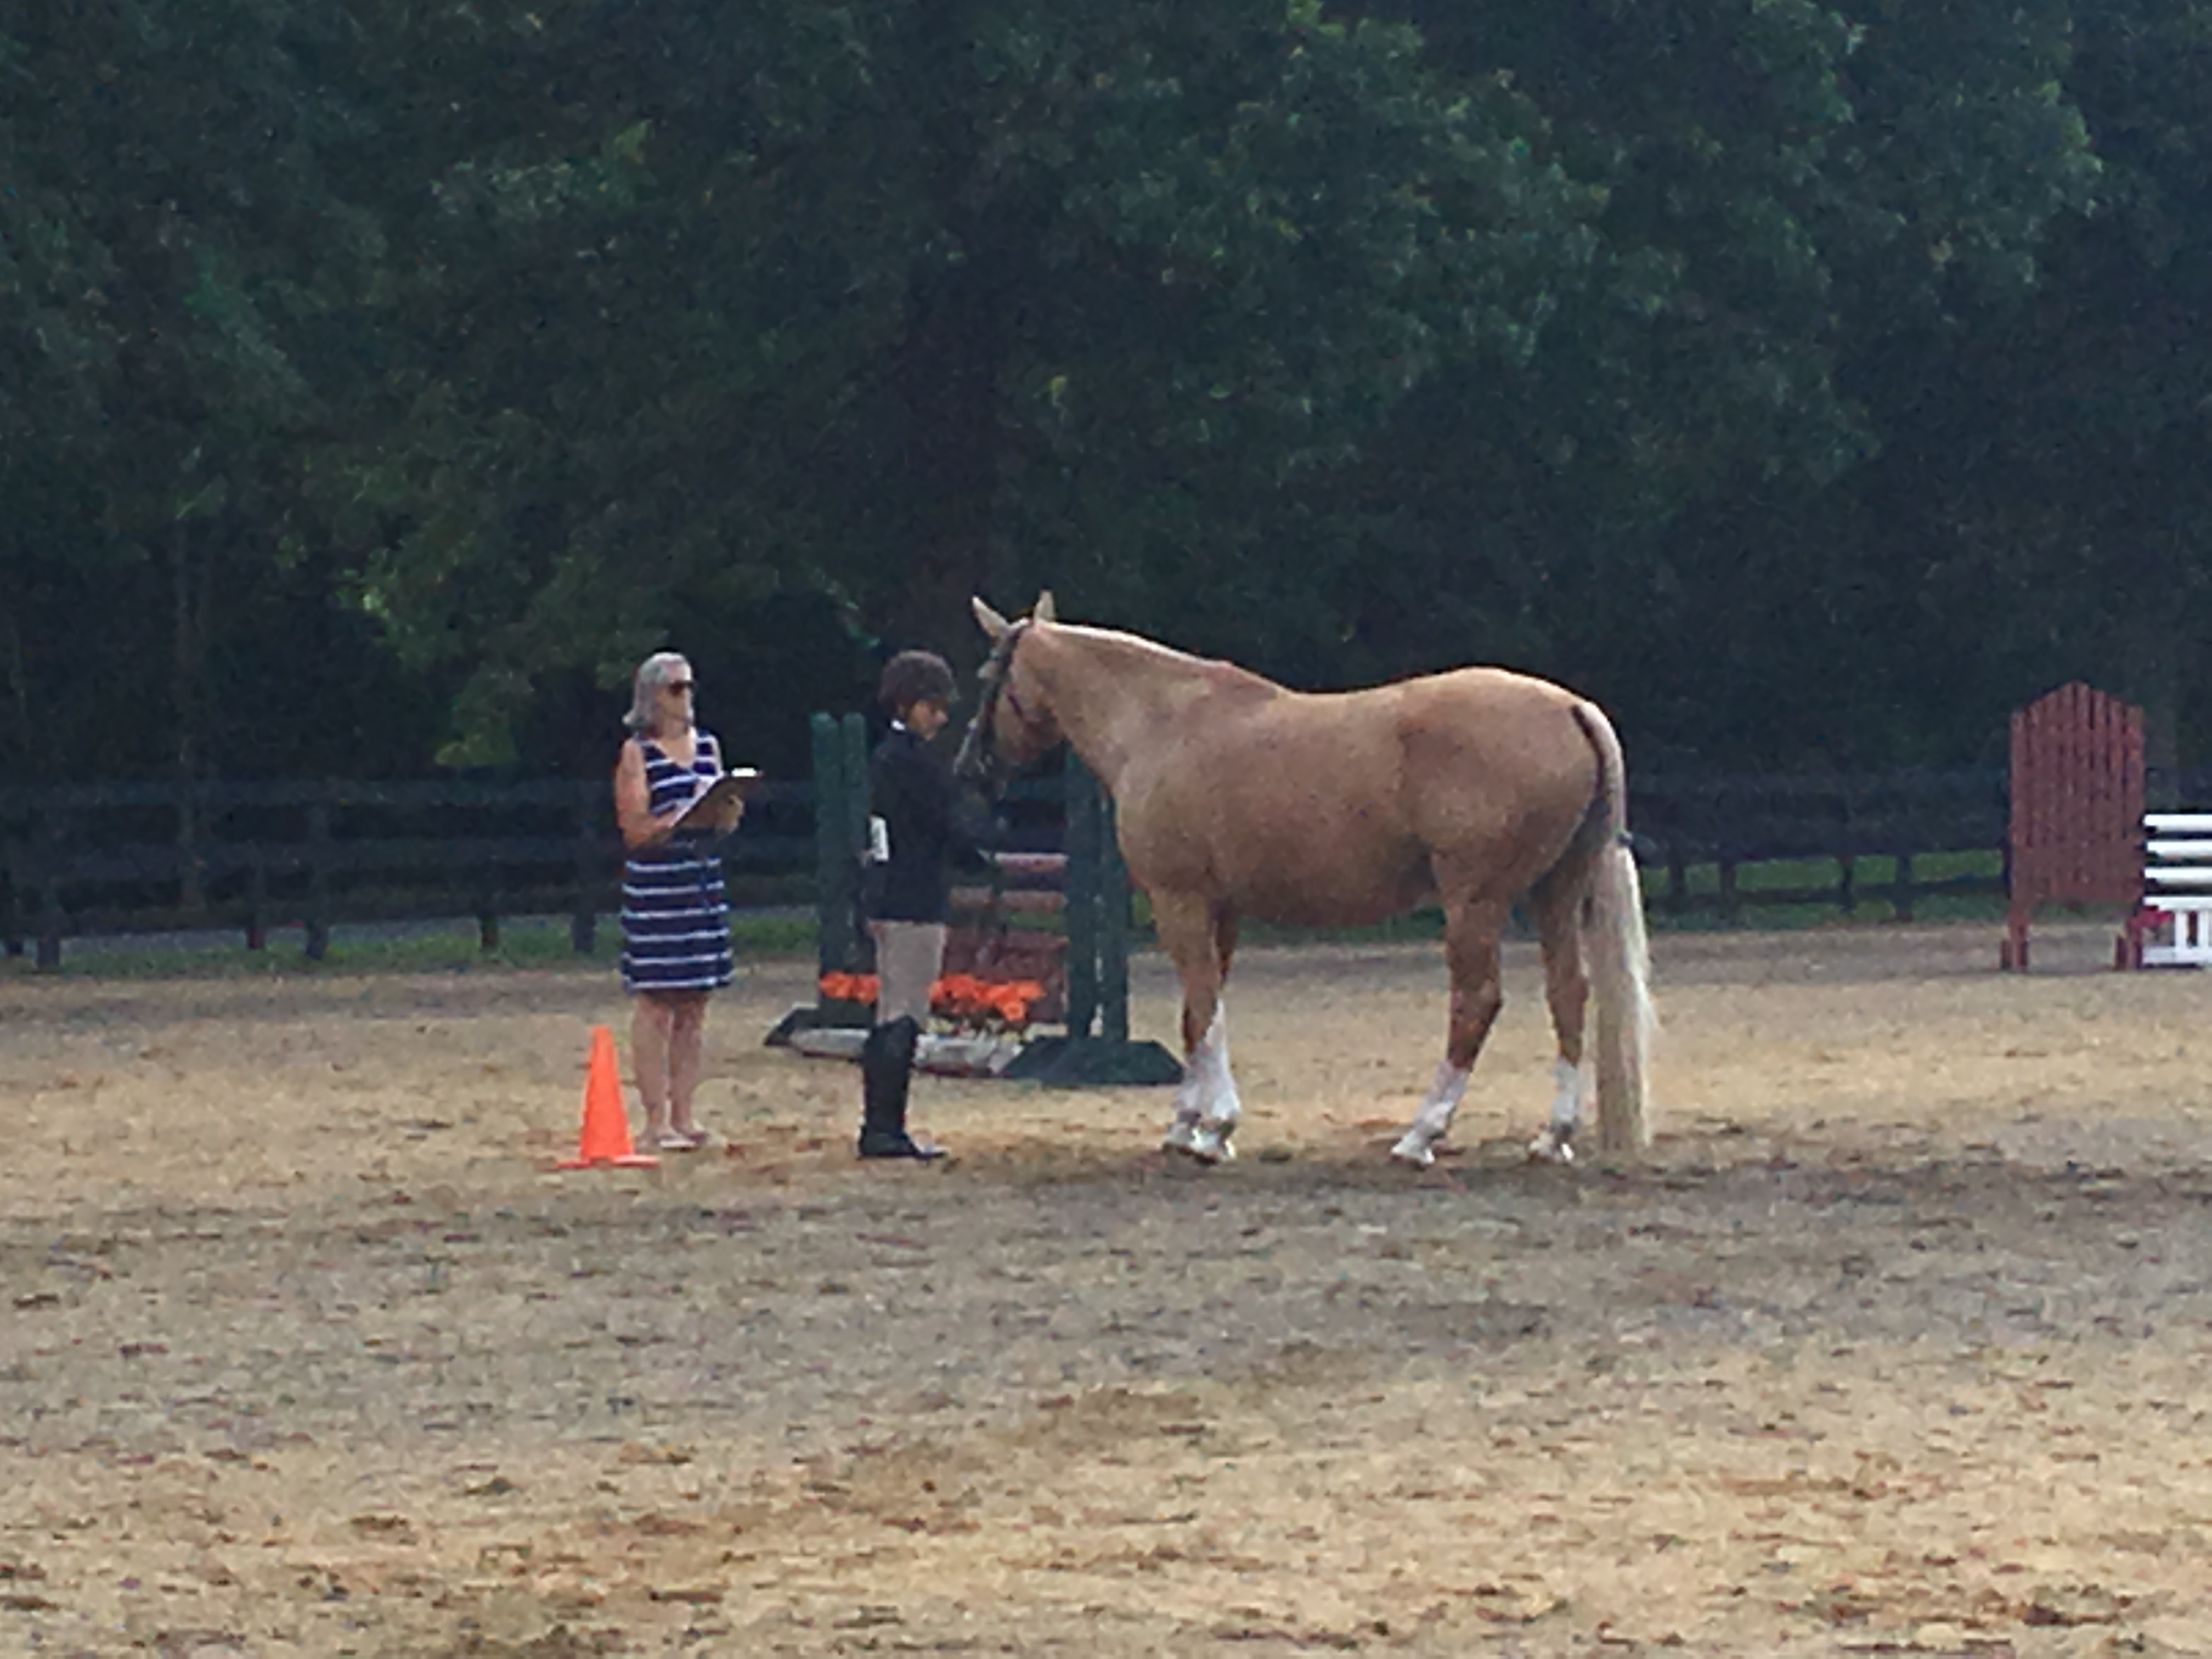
[[1013, 724]]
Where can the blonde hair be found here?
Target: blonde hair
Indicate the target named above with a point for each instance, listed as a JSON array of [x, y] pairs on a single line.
[[655, 672]]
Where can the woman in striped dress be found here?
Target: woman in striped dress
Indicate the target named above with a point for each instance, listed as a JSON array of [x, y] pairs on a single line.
[[676, 929]]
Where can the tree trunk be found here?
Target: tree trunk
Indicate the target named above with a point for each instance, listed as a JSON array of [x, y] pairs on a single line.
[[28, 760], [955, 349], [188, 676]]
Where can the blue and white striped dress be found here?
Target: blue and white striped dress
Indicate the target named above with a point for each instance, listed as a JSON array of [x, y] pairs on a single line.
[[676, 916]]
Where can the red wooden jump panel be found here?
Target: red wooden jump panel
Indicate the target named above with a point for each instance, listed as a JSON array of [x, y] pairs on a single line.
[[2077, 800]]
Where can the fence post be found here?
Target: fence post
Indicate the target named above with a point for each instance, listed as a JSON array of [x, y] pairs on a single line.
[[1901, 893], [192, 866], [489, 886], [257, 899], [51, 835], [584, 919], [11, 903], [318, 917]]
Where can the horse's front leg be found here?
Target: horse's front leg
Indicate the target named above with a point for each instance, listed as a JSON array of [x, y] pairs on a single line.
[[1471, 950], [1206, 1106]]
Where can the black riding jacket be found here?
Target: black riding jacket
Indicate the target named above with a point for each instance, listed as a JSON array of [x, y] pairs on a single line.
[[932, 826]]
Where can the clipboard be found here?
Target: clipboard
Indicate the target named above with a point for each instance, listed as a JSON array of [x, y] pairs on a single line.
[[708, 804]]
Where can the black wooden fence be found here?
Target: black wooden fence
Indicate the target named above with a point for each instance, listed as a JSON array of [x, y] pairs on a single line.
[[123, 857], [107, 858], [1833, 824]]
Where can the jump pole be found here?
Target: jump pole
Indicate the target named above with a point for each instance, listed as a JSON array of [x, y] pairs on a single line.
[[841, 836], [1096, 1050]]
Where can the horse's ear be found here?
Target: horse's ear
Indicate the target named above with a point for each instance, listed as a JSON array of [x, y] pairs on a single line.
[[1042, 612], [990, 621]]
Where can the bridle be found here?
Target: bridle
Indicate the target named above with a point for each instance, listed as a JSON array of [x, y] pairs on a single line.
[[979, 753]]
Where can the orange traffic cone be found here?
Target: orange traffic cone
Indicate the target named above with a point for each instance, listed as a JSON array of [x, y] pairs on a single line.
[[605, 1137]]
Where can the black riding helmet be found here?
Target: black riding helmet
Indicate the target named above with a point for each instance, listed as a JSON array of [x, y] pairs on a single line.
[[913, 676]]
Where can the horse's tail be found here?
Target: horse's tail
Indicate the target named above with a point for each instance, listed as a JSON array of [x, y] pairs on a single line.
[[1619, 957]]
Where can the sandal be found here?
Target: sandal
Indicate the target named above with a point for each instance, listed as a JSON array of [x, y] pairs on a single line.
[[676, 1140]]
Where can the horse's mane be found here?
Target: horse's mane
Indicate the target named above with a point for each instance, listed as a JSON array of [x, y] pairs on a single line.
[[1217, 674]]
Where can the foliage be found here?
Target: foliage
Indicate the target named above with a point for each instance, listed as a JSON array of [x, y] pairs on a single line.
[[1094, 260], [170, 245], [1811, 381]]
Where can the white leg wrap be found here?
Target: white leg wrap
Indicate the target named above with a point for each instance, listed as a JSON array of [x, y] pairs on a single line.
[[1206, 1108], [1432, 1117], [1570, 1088]]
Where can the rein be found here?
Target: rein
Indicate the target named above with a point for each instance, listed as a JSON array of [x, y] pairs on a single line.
[[979, 755]]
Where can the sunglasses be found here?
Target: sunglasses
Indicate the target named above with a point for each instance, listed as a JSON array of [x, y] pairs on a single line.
[[681, 688]]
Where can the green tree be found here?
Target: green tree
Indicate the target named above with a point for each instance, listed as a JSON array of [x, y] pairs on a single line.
[[2080, 520], [890, 301], [1669, 505], [169, 243]]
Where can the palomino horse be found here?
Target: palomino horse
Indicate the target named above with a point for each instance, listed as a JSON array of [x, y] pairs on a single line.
[[1237, 797]]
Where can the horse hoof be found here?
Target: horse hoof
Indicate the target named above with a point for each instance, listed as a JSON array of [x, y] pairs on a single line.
[[1414, 1150], [1550, 1147], [1205, 1157]]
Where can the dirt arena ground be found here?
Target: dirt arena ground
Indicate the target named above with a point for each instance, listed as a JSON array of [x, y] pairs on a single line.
[[1897, 1343]]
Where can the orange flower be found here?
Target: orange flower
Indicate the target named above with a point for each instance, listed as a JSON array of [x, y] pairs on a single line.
[[847, 988], [967, 1000], [982, 1004]]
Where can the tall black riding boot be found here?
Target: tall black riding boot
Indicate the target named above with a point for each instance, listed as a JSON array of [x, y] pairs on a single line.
[[886, 1073]]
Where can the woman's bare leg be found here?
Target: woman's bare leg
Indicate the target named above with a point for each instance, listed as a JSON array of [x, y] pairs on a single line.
[[649, 1045], [686, 1040]]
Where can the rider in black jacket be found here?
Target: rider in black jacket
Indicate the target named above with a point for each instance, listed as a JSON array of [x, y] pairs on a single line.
[[918, 810], [912, 790]]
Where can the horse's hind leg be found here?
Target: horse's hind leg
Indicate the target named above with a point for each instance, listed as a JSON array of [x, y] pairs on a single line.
[[1557, 907], [1471, 930], [1200, 939]]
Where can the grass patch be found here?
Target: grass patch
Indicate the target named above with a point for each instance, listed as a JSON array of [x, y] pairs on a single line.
[[541, 942], [527, 943], [1756, 884]]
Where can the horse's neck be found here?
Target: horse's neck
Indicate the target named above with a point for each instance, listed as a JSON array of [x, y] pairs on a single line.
[[1113, 693]]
